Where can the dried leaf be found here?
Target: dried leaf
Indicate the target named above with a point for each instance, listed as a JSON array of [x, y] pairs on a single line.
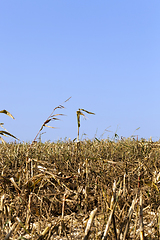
[[47, 121], [86, 111], [55, 118], [1, 124], [4, 133], [59, 114], [60, 106], [7, 113], [48, 126]]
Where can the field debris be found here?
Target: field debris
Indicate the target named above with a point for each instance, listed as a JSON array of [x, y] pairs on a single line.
[[99, 189]]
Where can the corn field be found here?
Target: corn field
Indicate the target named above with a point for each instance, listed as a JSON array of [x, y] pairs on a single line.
[[93, 189]]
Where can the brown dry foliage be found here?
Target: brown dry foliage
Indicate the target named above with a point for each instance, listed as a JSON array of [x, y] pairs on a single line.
[[49, 190]]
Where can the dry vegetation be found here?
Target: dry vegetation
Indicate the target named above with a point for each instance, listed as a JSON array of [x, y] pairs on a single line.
[[86, 190]]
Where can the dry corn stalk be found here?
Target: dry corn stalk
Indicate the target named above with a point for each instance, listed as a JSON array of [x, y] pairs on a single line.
[[89, 223], [79, 113], [14, 184], [141, 218], [28, 217], [113, 199], [2, 202], [159, 220], [129, 217], [111, 215]]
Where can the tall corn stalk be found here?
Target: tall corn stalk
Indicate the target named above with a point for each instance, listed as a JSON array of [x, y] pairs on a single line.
[[79, 113], [52, 117]]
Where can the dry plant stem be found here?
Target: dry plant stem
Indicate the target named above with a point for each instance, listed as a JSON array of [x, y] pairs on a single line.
[[135, 225], [129, 217], [124, 186], [38, 201], [141, 218], [110, 217], [31, 168], [86, 187], [107, 226], [62, 227], [114, 195], [15, 185], [51, 117], [114, 226], [89, 223], [63, 205], [79, 113], [112, 202], [159, 221], [126, 178], [2, 201], [28, 213]]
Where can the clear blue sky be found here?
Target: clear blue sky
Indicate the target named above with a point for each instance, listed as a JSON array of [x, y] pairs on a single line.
[[105, 54]]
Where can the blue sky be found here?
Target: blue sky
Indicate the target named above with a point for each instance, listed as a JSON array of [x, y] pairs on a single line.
[[105, 54]]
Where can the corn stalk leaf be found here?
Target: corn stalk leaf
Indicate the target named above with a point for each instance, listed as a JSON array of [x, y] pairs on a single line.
[[48, 126], [79, 113], [58, 114], [86, 111], [60, 106], [54, 118], [51, 117], [47, 121], [1, 124], [5, 133], [7, 113]]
